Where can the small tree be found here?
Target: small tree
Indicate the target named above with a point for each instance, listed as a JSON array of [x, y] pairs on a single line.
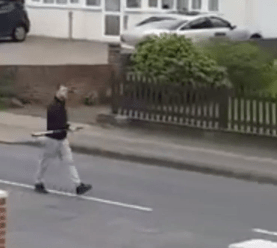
[[174, 59], [248, 66]]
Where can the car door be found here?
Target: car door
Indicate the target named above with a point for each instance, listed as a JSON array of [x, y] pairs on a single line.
[[220, 27], [6, 18], [197, 30], [223, 28]]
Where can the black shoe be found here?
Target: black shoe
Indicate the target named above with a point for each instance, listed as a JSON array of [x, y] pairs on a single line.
[[39, 187], [83, 188]]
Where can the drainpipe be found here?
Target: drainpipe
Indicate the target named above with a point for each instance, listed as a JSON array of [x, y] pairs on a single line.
[[70, 15]]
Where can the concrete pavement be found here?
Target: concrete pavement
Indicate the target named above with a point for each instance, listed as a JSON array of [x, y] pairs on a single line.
[[50, 51], [190, 210], [240, 160]]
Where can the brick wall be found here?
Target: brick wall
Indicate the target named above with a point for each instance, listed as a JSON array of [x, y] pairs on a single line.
[[37, 84]]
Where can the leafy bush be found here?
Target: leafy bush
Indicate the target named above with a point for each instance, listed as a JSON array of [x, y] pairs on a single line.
[[175, 59], [248, 65], [7, 84]]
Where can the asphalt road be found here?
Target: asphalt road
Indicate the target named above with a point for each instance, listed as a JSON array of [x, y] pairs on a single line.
[[190, 210]]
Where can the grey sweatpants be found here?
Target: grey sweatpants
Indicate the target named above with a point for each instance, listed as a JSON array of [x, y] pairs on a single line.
[[57, 149]]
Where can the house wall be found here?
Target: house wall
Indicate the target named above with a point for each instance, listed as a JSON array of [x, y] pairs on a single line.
[[257, 14], [49, 22], [55, 22], [265, 17], [88, 23], [234, 10]]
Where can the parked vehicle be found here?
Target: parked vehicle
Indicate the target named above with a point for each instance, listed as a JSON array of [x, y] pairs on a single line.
[[14, 21], [197, 27]]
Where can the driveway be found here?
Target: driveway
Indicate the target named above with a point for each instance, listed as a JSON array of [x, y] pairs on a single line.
[[50, 51]]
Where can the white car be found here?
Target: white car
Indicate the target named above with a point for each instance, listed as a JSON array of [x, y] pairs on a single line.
[[199, 27]]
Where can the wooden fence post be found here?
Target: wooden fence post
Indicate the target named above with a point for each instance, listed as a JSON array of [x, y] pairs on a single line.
[[223, 108], [3, 218], [115, 95]]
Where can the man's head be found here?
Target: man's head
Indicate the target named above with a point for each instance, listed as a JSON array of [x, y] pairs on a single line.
[[62, 92]]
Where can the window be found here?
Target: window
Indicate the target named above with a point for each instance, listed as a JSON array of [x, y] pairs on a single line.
[[199, 24], [61, 1], [133, 3], [112, 25], [93, 2], [74, 1], [196, 4], [153, 3], [112, 5], [213, 5], [167, 4], [219, 23], [182, 5], [6, 7], [48, 1]]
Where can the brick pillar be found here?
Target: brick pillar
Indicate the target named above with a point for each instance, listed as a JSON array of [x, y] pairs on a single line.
[[3, 218]]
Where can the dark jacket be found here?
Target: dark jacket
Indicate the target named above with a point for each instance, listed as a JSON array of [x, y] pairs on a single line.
[[57, 119]]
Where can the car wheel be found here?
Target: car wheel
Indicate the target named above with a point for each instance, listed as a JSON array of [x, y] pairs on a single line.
[[255, 37], [19, 33]]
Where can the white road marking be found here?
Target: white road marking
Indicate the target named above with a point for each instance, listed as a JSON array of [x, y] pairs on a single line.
[[254, 243], [88, 198], [264, 232]]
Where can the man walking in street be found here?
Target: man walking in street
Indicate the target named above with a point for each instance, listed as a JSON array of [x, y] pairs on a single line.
[[57, 144]]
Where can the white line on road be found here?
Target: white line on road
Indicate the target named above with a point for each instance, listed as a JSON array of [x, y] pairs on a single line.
[[254, 243], [264, 232], [88, 198]]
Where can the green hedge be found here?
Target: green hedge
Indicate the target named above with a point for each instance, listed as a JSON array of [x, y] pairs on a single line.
[[248, 65], [174, 59]]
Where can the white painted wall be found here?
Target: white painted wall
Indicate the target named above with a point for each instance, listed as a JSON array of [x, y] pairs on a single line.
[[49, 22], [265, 17], [257, 14], [88, 25], [233, 10]]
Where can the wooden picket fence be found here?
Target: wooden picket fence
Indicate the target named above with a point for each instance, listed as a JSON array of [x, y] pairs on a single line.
[[253, 113], [203, 107]]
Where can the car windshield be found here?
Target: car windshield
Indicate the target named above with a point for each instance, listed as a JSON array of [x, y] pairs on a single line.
[[167, 24], [154, 19]]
